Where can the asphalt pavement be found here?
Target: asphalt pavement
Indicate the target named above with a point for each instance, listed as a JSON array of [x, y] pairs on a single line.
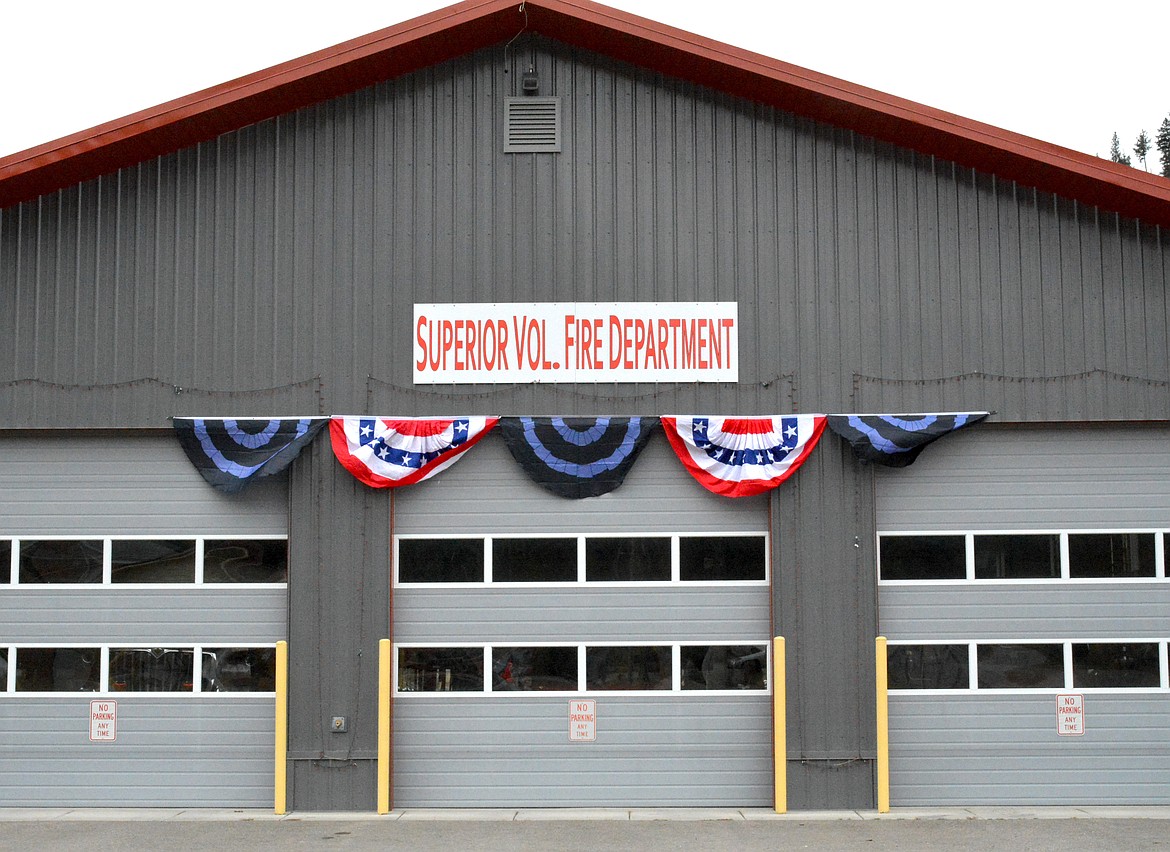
[[600, 830]]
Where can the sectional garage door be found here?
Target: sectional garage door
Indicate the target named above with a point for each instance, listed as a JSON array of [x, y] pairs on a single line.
[[1022, 569], [126, 580], [511, 604]]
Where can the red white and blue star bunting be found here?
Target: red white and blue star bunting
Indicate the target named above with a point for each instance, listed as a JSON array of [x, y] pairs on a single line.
[[388, 452], [742, 456]]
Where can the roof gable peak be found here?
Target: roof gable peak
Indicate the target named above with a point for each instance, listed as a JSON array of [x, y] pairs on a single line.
[[462, 28]]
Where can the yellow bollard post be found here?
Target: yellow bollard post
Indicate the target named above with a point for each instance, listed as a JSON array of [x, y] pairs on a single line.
[[883, 729], [384, 659], [280, 805], [779, 725]]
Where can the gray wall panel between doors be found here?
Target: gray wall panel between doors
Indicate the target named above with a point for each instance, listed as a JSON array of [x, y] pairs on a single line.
[[825, 604]]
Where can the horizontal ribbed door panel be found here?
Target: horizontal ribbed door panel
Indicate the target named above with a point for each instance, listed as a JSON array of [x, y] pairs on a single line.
[[486, 493], [170, 751], [1004, 750], [193, 615], [515, 751], [580, 613], [988, 478], [980, 747], [507, 750], [77, 485], [177, 750], [1051, 612]]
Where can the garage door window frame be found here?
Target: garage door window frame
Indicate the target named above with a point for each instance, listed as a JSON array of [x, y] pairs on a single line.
[[581, 538], [11, 571], [1067, 651], [1065, 562], [677, 688]]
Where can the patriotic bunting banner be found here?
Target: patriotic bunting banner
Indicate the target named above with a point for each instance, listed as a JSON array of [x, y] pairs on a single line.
[[577, 457], [895, 440], [229, 454], [388, 452], [741, 456]]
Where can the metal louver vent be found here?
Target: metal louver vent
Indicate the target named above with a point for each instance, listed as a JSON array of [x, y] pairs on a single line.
[[532, 124]]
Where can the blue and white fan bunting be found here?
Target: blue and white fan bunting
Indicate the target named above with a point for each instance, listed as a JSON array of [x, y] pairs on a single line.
[[895, 440], [232, 452], [577, 457]]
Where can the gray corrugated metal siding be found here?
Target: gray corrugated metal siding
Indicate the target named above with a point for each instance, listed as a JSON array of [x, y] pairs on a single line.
[[247, 262]]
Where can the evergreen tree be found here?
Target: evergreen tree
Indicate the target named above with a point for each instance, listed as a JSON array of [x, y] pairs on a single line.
[[1115, 152], [1142, 147], [1162, 141]]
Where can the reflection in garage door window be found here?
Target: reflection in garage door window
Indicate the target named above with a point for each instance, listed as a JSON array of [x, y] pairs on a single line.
[[1020, 666], [151, 670], [440, 560], [722, 558], [534, 669], [245, 561], [627, 559], [440, 669], [1017, 557], [534, 560], [628, 667], [1111, 555], [141, 561], [61, 561], [724, 666], [239, 670], [927, 667], [923, 557], [1116, 664], [5, 561], [3, 669], [58, 669]]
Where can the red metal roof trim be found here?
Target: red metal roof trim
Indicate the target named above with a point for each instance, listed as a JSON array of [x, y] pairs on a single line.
[[468, 26]]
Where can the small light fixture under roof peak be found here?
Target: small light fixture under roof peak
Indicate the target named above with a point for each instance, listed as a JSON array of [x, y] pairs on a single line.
[[530, 82]]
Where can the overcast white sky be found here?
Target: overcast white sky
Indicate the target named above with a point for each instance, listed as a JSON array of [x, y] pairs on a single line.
[[1066, 72]]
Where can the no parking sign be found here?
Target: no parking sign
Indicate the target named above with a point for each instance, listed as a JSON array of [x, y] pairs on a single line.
[[1070, 715], [103, 721]]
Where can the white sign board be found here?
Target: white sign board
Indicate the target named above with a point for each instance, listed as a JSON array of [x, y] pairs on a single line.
[[583, 720], [560, 342], [1070, 715], [103, 721]]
